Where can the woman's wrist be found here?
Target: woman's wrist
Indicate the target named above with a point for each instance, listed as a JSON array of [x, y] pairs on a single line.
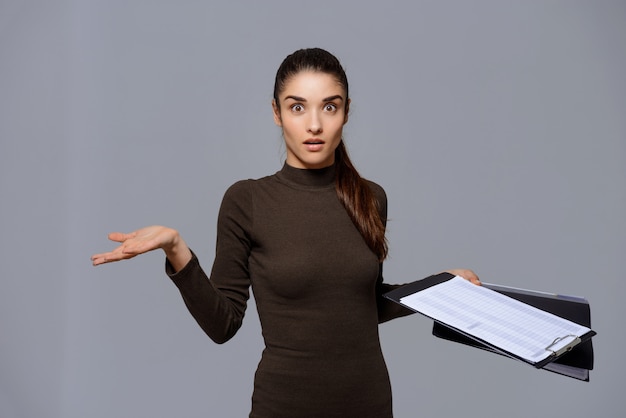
[[178, 253]]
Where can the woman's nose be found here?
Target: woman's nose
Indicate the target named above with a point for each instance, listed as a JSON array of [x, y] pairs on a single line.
[[315, 124]]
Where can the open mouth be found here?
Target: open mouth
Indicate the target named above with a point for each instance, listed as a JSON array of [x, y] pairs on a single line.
[[314, 145]]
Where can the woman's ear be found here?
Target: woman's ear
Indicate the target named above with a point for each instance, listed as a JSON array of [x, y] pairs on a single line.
[[276, 110], [345, 118]]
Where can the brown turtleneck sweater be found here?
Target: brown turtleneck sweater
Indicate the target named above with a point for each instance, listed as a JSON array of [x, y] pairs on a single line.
[[318, 290]]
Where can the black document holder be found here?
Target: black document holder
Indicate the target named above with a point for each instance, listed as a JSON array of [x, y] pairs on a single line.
[[574, 363]]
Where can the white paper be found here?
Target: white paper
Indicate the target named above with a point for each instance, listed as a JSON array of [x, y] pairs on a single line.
[[499, 320]]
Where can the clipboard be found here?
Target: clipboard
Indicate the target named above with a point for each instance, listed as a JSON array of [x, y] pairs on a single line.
[[577, 362], [575, 353]]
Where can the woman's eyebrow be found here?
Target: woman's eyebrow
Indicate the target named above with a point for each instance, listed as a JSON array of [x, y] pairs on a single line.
[[331, 98], [296, 98], [302, 99]]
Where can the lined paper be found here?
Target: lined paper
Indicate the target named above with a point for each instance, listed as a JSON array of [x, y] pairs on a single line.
[[498, 320]]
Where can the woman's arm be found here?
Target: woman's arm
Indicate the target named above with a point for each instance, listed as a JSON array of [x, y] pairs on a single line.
[[218, 304]]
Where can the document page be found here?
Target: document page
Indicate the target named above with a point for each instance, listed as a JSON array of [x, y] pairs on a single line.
[[500, 321]]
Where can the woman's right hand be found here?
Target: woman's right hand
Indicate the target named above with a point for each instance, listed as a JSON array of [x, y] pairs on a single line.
[[144, 240]]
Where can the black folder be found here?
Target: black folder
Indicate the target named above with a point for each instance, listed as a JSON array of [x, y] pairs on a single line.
[[574, 363]]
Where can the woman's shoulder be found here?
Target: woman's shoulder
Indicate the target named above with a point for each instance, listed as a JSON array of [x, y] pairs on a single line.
[[377, 190], [244, 187]]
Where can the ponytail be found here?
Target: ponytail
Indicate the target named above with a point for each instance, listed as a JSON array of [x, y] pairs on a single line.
[[359, 201]]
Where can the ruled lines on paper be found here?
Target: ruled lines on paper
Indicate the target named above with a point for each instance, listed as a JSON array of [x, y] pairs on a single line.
[[500, 321]]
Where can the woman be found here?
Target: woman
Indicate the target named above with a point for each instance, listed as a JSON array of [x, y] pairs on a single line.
[[310, 242]]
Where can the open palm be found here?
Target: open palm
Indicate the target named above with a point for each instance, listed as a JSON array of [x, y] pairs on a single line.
[[137, 242]]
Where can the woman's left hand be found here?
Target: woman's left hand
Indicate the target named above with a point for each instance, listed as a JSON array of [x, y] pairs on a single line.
[[468, 275]]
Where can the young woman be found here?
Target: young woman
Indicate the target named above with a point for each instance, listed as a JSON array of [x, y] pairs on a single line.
[[310, 241]]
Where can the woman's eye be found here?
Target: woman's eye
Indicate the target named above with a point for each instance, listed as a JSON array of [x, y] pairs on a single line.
[[330, 107], [297, 108]]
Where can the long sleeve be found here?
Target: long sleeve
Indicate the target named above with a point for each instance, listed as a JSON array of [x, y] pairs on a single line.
[[387, 310], [218, 304]]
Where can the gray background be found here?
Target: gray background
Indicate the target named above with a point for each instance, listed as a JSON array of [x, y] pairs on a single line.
[[498, 129]]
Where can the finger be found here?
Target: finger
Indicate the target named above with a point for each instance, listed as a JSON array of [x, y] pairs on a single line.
[[121, 236], [98, 259], [471, 277], [468, 275], [109, 257]]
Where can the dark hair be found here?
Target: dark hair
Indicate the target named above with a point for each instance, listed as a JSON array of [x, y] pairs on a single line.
[[352, 190]]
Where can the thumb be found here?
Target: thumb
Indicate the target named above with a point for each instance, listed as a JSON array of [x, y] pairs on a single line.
[[120, 236]]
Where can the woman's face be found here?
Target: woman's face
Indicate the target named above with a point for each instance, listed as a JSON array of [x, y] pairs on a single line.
[[312, 110]]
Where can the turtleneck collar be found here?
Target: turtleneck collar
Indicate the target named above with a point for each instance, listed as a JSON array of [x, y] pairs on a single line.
[[309, 178]]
